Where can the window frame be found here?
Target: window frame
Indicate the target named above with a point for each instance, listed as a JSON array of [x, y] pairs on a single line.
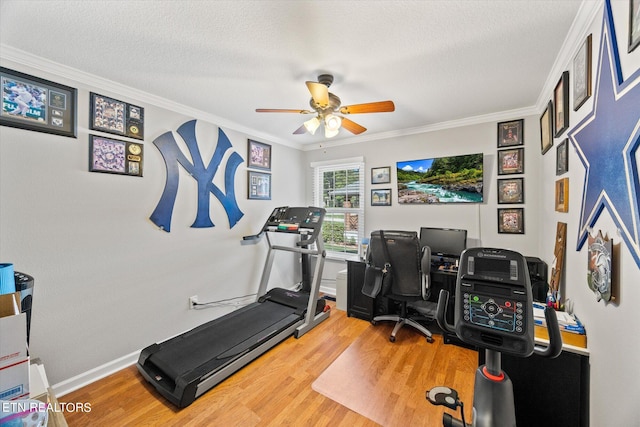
[[319, 169]]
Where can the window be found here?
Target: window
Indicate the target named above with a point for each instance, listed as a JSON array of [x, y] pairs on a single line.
[[339, 188]]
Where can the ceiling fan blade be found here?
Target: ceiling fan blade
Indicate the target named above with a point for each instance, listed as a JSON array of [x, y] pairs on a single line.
[[319, 93], [352, 126], [300, 130], [282, 110], [371, 107]]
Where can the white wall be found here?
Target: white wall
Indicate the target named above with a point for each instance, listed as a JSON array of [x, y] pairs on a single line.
[[108, 282], [480, 220]]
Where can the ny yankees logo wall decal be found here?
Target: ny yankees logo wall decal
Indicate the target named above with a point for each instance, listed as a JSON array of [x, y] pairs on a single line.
[[203, 175], [606, 141]]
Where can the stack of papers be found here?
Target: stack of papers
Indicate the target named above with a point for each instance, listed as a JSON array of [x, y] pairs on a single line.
[[566, 321]]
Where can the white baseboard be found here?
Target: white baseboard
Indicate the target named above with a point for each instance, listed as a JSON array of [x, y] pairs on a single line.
[[95, 374], [328, 290]]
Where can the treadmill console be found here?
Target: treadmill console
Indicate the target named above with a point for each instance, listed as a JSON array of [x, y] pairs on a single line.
[[298, 219], [494, 301]]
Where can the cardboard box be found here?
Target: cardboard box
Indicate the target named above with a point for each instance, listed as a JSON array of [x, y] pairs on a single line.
[[14, 381], [14, 359], [38, 383], [13, 330]]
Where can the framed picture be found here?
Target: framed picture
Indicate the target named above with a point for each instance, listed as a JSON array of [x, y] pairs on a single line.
[[117, 117], [634, 24], [511, 161], [561, 105], [562, 195], [599, 267], [381, 197], [32, 103], [259, 185], [511, 221], [582, 74], [511, 133], [381, 175], [259, 155], [511, 190], [114, 156], [562, 157], [546, 125]]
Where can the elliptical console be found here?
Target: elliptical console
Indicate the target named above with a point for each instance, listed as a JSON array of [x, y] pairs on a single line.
[[493, 311], [494, 301]]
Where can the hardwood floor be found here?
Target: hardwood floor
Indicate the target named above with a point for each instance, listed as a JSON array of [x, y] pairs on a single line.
[[276, 389]]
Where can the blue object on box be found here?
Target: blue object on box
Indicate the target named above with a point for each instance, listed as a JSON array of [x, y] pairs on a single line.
[[7, 280]]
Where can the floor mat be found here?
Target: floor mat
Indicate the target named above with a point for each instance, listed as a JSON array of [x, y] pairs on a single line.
[[386, 382]]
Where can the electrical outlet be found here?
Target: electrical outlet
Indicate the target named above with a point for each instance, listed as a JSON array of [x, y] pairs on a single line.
[[193, 301]]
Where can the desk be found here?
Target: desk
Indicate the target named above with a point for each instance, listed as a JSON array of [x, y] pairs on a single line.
[[358, 304], [364, 307]]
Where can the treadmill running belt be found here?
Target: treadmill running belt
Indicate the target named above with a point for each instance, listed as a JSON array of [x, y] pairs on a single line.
[[242, 328]]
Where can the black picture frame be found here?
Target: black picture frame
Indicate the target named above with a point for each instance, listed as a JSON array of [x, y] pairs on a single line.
[[582, 74], [561, 105], [634, 24], [117, 117], [258, 155], [562, 157], [259, 185], [511, 191], [511, 220], [36, 104], [546, 128], [381, 175], [114, 156], [511, 161], [511, 133], [381, 197]]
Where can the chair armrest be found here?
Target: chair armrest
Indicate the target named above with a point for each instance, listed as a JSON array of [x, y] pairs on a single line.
[[425, 267]]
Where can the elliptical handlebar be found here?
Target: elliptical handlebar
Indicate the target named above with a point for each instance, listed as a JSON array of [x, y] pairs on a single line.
[[443, 302], [554, 348]]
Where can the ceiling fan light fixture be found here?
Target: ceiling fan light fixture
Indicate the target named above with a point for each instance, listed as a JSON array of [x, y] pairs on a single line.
[[332, 122], [330, 133], [312, 125]]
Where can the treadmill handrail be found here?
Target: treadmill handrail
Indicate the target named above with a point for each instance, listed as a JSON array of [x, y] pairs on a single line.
[[253, 236], [296, 250]]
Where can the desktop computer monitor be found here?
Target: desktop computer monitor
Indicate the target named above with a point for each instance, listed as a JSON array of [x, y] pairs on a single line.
[[445, 243]]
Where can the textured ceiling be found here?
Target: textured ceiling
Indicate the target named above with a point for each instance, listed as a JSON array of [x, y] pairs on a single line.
[[439, 61]]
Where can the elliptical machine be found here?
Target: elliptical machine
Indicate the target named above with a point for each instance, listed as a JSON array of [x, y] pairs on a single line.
[[493, 311]]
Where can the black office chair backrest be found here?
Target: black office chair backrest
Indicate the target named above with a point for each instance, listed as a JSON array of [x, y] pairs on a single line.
[[404, 256]]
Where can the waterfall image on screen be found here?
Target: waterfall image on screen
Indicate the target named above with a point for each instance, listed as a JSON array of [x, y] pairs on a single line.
[[455, 179]]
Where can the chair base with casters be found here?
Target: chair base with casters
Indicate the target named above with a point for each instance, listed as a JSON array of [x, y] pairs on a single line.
[[401, 320]]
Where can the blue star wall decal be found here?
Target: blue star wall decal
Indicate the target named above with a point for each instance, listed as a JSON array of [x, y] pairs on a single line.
[[606, 141]]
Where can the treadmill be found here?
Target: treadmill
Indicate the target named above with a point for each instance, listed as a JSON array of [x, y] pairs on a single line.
[[183, 368]]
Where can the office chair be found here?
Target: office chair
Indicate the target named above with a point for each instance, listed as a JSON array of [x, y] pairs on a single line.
[[409, 268]]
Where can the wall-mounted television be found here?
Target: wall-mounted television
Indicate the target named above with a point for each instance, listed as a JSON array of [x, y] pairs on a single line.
[[443, 242], [454, 179]]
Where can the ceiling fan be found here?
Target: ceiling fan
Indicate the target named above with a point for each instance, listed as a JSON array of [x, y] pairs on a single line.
[[326, 107]]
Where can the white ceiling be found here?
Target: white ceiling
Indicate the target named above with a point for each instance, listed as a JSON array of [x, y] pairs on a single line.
[[439, 61]]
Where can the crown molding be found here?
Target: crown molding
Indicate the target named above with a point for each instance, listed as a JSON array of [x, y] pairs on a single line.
[[570, 46], [469, 121], [91, 82]]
